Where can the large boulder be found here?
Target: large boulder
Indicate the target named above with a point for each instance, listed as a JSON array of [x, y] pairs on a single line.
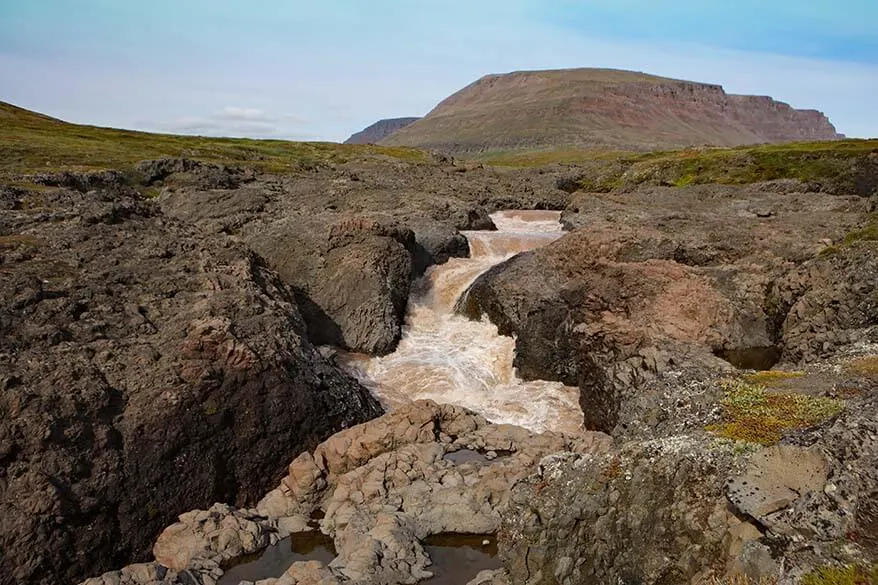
[[146, 369], [607, 326]]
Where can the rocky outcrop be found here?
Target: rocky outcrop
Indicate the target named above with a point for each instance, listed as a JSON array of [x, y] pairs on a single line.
[[676, 509], [146, 368], [599, 108], [685, 509], [660, 278], [383, 487], [379, 130], [349, 240], [827, 304]]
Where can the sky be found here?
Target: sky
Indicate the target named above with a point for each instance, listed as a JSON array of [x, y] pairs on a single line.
[[322, 70]]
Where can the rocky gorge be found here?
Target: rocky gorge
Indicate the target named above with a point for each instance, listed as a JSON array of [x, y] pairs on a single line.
[[174, 399]]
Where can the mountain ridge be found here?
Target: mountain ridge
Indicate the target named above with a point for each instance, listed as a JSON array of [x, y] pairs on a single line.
[[604, 109], [380, 130]]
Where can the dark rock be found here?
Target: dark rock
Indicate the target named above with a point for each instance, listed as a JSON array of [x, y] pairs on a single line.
[[149, 369], [658, 278], [83, 182], [828, 303], [192, 173]]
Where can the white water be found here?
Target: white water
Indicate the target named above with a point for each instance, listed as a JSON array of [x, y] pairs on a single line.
[[447, 358]]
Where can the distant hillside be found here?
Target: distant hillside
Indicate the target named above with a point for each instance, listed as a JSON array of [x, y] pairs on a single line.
[[605, 109], [31, 142], [379, 130]]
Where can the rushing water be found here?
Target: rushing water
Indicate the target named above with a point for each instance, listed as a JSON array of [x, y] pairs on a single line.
[[445, 357]]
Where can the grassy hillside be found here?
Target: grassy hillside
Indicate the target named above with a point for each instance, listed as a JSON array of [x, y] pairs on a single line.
[[846, 165], [31, 142]]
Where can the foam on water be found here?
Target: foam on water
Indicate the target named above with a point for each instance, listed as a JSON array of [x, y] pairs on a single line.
[[447, 358]]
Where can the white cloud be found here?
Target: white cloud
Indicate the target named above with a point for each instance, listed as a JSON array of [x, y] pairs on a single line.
[[334, 89], [236, 121]]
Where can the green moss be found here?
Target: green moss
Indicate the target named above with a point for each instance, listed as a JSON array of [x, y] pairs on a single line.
[[685, 180], [210, 407], [753, 414], [769, 378], [151, 192], [865, 367], [847, 575], [867, 234]]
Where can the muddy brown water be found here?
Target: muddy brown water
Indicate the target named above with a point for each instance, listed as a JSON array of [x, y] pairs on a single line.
[[445, 357], [458, 558], [470, 456], [276, 559]]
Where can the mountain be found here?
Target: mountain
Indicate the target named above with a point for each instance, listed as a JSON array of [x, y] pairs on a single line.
[[379, 130], [604, 109]]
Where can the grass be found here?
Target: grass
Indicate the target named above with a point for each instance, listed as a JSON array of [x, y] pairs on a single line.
[[866, 367], [13, 241], [770, 378], [847, 575], [742, 579], [541, 158], [32, 143], [753, 414], [868, 233], [829, 161]]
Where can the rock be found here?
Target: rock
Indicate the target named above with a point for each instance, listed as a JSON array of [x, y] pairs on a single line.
[[183, 172], [655, 511], [307, 573], [776, 478], [496, 577], [828, 304], [177, 545], [667, 520], [156, 369], [216, 535], [349, 248], [384, 486], [663, 281]]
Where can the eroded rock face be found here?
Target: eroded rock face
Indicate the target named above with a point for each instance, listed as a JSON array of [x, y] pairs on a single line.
[[828, 304], [379, 130], [658, 511], [146, 369], [701, 279], [603, 109], [651, 513], [384, 487], [565, 509], [350, 239], [776, 478]]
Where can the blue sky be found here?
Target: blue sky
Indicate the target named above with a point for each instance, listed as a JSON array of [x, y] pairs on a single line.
[[322, 70]]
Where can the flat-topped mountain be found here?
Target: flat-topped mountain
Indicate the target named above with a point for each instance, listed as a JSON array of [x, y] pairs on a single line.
[[603, 108], [380, 130]]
